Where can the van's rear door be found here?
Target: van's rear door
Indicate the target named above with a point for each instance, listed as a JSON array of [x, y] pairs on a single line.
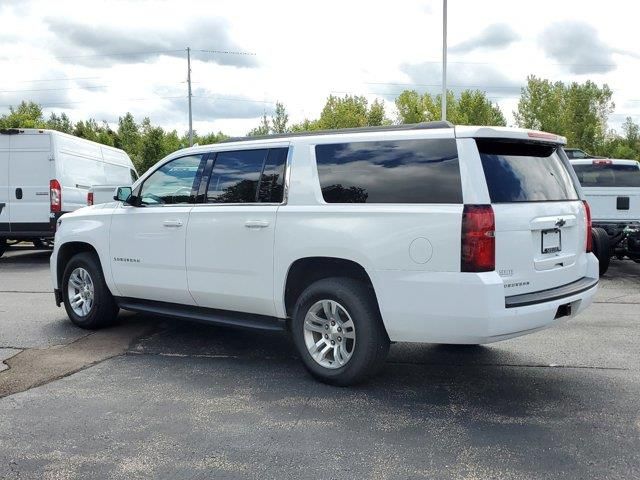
[[4, 183], [540, 219], [30, 170]]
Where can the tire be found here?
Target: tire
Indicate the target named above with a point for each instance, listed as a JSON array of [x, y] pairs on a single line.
[[3, 246], [362, 348], [601, 248], [99, 309], [42, 244]]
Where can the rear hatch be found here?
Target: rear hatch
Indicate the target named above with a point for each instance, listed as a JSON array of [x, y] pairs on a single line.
[[540, 221], [612, 189]]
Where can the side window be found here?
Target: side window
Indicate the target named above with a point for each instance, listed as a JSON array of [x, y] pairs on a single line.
[[235, 176], [271, 189], [172, 183], [393, 171], [134, 175]]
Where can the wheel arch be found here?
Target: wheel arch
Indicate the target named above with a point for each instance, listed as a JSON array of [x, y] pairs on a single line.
[[66, 252], [304, 271]]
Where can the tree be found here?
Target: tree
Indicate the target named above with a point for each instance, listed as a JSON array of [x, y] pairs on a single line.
[[576, 111], [631, 134], [280, 119], [263, 129], [60, 123], [472, 107], [152, 146], [25, 115], [128, 135]]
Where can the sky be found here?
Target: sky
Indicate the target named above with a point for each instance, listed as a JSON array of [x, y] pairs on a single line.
[[101, 59]]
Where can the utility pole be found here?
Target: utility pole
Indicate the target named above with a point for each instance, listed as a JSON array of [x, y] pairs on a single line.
[[444, 59], [189, 82]]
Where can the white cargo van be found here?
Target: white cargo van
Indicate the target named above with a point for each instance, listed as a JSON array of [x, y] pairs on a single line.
[[44, 173]]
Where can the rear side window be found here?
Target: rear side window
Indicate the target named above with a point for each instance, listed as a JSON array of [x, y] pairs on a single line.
[[395, 171], [603, 174], [248, 176], [525, 172]]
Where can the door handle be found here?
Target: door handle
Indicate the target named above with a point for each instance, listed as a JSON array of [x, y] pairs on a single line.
[[172, 223], [256, 224], [19, 193]]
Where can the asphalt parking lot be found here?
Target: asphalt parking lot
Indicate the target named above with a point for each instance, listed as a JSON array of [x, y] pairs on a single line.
[[158, 398]]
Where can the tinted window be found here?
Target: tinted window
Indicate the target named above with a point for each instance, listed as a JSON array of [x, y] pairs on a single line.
[[572, 153], [397, 171], [134, 175], [524, 172], [235, 176], [601, 174], [172, 183], [271, 188]]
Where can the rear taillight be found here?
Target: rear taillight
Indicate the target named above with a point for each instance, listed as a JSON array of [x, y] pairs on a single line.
[[55, 196], [90, 198], [587, 212], [478, 252]]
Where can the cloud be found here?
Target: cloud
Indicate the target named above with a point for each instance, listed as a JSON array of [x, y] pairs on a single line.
[[498, 35], [207, 107], [578, 46], [83, 44], [460, 76]]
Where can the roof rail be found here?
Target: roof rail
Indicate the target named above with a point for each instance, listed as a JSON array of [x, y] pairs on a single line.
[[10, 131], [380, 128]]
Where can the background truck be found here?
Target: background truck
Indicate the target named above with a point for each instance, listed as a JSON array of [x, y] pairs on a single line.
[[44, 173], [612, 188]]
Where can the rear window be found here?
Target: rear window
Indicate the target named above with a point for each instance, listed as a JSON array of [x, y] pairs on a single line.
[[394, 171], [602, 174], [525, 172]]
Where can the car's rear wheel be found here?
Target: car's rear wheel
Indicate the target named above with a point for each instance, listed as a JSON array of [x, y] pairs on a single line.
[[601, 248], [338, 331], [87, 299]]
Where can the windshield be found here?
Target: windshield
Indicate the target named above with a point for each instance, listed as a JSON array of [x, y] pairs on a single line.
[[608, 175], [525, 172]]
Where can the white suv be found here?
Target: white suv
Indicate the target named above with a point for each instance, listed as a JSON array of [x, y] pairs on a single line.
[[350, 239]]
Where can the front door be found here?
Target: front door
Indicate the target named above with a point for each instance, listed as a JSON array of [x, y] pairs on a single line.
[[147, 241], [230, 237]]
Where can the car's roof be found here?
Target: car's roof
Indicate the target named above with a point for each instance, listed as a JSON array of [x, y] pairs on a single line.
[[369, 132]]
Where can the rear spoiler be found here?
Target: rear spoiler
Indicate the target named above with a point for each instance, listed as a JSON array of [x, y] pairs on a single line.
[[505, 132]]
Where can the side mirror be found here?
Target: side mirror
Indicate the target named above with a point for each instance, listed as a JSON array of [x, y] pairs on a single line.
[[122, 194]]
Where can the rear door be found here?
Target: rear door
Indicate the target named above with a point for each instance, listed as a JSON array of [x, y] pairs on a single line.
[[230, 236], [540, 219], [5, 204], [30, 167]]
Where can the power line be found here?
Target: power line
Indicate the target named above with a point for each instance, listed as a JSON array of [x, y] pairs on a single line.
[[55, 79], [226, 52], [53, 89]]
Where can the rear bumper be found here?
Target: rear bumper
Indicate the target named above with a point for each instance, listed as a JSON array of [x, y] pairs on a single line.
[[472, 308]]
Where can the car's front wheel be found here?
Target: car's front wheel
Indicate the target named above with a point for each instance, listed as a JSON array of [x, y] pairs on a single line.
[[338, 331], [87, 299]]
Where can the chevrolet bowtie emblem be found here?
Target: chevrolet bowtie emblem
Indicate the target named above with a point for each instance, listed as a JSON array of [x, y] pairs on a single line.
[[561, 222]]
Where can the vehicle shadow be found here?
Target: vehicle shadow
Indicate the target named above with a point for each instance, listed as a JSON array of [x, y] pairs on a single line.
[[17, 254]]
